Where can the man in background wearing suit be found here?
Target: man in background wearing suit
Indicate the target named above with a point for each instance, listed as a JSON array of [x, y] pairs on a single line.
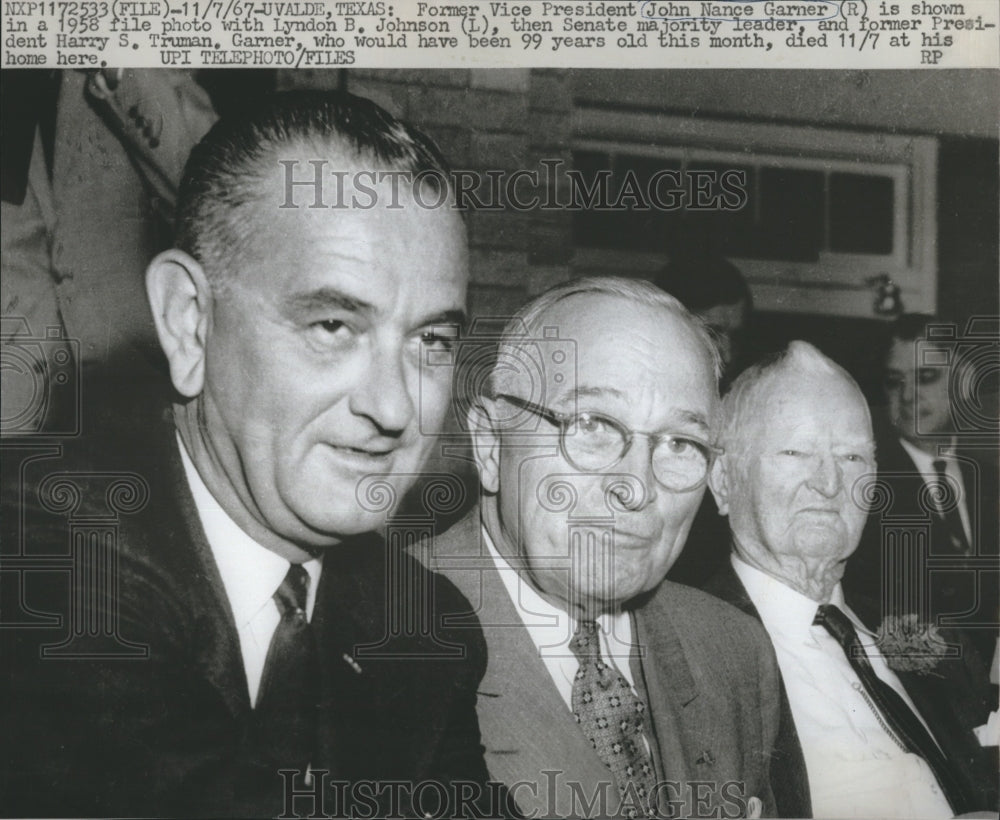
[[883, 729], [247, 601], [607, 693], [942, 494]]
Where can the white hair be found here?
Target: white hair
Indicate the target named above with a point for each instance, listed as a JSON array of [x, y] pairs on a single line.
[[742, 403]]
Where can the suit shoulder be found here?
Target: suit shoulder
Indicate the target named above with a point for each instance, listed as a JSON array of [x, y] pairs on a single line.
[[447, 596], [701, 614]]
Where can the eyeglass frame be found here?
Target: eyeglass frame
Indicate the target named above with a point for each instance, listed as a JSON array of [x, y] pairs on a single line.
[[564, 420]]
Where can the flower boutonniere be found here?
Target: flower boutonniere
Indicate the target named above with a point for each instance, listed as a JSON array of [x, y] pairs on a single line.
[[911, 645]]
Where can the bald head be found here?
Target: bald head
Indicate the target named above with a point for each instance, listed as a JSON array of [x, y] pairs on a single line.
[[519, 338], [798, 368], [798, 437]]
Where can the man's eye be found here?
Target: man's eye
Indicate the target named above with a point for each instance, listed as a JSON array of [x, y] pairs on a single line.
[[330, 325], [330, 332], [929, 375], [679, 446], [792, 453], [590, 425], [438, 339]]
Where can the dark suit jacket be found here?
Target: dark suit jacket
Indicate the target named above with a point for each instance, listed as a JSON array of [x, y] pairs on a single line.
[[938, 583], [158, 721], [789, 779], [950, 701], [709, 674]]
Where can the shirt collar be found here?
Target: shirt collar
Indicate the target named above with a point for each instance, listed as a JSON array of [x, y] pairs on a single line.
[[837, 599], [251, 573], [550, 627], [783, 610], [925, 461]]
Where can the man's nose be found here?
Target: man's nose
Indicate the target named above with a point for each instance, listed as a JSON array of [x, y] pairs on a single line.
[[826, 477], [632, 485], [907, 390], [384, 394]]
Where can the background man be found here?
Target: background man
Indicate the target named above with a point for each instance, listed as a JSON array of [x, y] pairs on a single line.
[[714, 290], [876, 743], [929, 479], [606, 690], [243, 591]]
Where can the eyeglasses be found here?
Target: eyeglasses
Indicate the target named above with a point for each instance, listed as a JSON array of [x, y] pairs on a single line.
[[593, 442]]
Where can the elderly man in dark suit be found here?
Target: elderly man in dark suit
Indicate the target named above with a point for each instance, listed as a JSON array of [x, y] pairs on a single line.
[[884, 725], [608, 693], [232, 646]]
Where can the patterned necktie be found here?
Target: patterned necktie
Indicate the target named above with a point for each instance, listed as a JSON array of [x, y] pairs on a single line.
[[612, 717], [898, 715], [949, 511], [289, 687]]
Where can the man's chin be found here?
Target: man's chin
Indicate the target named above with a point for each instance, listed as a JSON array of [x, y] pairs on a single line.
[[822, 542]]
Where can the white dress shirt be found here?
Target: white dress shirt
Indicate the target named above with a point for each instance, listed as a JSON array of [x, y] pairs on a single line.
[[856, 768], [552, 628], [924, 463], [251, 574]]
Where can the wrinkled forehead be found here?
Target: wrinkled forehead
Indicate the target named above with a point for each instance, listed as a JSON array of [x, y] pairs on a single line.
[[595, 342], [794, 400]]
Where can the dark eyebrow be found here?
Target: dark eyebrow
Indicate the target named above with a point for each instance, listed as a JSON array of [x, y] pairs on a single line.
[[325, 298]]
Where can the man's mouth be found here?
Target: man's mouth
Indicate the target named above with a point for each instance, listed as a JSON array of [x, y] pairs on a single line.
[[821, 511], [627, 538], [362, 457]]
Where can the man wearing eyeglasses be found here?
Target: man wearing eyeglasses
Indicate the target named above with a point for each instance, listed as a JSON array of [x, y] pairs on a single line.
[[934, 485], [607, 691]]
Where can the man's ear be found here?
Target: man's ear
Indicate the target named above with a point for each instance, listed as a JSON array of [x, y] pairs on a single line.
[[485, 443], [181, 300], [719, 479]]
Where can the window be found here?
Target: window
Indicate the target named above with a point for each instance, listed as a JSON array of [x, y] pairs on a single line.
[[828, 213]]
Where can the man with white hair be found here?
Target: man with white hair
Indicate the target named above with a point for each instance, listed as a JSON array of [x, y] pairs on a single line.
[[875, 742], [607, 692]]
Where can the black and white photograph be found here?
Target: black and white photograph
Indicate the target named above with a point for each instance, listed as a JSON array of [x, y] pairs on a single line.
[[488, 441]]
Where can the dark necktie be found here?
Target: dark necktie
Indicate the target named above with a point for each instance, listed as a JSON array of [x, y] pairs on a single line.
[[897, 714], [949, 511], [612, 717], [287, 701]]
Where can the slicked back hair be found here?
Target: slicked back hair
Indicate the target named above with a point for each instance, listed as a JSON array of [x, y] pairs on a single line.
[[222, 196], [526, 323]]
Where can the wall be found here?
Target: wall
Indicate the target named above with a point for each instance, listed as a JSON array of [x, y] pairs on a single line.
[[509, 119]]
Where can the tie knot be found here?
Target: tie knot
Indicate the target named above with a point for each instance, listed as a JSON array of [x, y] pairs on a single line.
[[586, 641], [940, 466], [837, 624], [293, 592]]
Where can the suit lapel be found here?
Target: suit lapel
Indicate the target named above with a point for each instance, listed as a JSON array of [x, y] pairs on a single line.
[[217, 652], [526, 726], [789, 778], [671, 690]]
